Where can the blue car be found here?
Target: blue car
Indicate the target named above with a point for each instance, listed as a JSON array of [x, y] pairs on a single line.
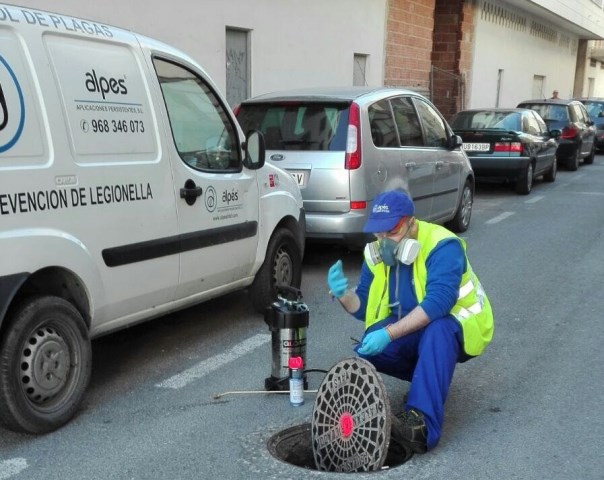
[[595, 109]]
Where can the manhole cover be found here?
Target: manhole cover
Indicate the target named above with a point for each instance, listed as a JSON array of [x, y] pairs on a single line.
[[350, 427]]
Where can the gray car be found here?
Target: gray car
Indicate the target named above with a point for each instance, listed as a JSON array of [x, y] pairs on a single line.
[[346, 145]]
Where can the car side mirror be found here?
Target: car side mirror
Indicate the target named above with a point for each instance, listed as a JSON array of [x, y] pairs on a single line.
[[455, 141], [255, 150], [555, 133]]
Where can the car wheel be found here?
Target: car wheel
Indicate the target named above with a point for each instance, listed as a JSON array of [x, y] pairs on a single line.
[[282, 266], [461, 221], [550, 176], [45, 365], [590, 158], [573, 162], [525, 183]]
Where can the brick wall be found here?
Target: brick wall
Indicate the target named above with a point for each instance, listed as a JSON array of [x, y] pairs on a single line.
[[426, 33], [452, 54], [409, 44]]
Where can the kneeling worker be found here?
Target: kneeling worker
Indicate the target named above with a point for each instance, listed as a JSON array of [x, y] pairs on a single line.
[[424, 311]]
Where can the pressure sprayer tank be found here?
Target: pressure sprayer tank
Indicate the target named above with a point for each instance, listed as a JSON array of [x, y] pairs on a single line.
[[287, 319]]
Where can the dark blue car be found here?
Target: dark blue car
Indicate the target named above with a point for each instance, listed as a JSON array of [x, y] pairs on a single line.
[[577, 131]]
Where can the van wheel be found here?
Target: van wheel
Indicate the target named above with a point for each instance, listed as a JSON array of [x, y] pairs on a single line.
[[461, 221], [282, 266], [45, 365], [524, 184]]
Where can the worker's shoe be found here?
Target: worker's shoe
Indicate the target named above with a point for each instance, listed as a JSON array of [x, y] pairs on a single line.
[[409, 429]]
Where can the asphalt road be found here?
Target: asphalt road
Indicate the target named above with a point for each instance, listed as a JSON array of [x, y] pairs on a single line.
[[529, 408]]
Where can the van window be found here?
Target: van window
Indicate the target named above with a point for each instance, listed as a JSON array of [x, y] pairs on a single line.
[[298, 126], [435, 131], [203, 135], [383, 128], [407, 123]]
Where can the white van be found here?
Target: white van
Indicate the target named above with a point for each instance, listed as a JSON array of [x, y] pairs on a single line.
[[127, 191]]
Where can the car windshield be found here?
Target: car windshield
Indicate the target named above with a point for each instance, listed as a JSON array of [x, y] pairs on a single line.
[[595, 109], [549, 112], [297, 125], [486, 119]]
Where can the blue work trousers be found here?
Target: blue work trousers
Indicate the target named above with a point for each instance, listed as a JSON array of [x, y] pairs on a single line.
[[427, 359]]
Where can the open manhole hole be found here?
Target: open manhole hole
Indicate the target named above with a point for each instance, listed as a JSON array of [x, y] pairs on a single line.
[[350, 427]]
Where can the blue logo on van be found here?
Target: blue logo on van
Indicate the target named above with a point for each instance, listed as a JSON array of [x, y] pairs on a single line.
[[10, 90], [277, 157]]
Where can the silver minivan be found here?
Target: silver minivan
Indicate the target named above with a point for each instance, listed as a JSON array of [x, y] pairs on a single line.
[[345, 145]]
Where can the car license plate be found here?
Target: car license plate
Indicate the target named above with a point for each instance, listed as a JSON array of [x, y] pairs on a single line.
[[476, 147], [299, 177]]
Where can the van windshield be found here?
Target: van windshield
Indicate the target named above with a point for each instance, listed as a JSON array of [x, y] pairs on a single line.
[[298, 126]]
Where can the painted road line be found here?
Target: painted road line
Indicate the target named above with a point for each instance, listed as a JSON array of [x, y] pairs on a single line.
[[534, 199], [213, 363], [499, 218], [11, 467]]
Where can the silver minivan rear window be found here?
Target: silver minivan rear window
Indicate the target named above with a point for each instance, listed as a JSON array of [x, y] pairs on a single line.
[[298, 125]]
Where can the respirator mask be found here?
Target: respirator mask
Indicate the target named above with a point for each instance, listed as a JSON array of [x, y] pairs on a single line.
[[389, 251]]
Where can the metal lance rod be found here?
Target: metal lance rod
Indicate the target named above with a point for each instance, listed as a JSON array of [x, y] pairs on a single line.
[[239, 392]]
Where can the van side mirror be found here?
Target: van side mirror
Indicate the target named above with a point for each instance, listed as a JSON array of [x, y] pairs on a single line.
[[255, 150]]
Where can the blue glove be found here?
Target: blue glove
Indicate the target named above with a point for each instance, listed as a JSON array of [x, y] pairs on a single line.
[[336, 281], [374, 342]]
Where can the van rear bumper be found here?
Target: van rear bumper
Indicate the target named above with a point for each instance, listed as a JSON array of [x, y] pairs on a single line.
[[346, 228]]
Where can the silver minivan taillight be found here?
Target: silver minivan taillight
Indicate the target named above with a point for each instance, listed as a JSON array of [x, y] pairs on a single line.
[[352, 160]]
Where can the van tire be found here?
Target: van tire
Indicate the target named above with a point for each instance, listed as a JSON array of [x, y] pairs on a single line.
[[461, 221], [45, 365], [282, 265]]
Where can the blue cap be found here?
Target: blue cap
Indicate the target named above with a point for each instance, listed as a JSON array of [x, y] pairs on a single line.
[[388, 209]]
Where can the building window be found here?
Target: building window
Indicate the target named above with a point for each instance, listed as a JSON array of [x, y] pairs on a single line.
[[359, 70], [538, 84], [237, 65]]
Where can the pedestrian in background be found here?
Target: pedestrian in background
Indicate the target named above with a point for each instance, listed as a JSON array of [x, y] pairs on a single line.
[[424, 311], [555, 94]]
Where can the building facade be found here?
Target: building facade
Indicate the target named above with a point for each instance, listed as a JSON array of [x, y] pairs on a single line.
[[460, 53]]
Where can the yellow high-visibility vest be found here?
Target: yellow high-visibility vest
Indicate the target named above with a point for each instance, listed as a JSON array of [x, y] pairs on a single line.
[[472, 309]]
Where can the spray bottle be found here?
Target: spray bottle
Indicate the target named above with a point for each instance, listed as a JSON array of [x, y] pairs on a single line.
[[296, 381]]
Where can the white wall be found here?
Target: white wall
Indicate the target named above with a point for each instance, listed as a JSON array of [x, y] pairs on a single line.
[[584, 13], [521, 56], [294, 43]]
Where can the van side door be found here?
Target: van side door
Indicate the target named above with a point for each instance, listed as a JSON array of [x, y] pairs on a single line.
[[447, 162], [217, 197]]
